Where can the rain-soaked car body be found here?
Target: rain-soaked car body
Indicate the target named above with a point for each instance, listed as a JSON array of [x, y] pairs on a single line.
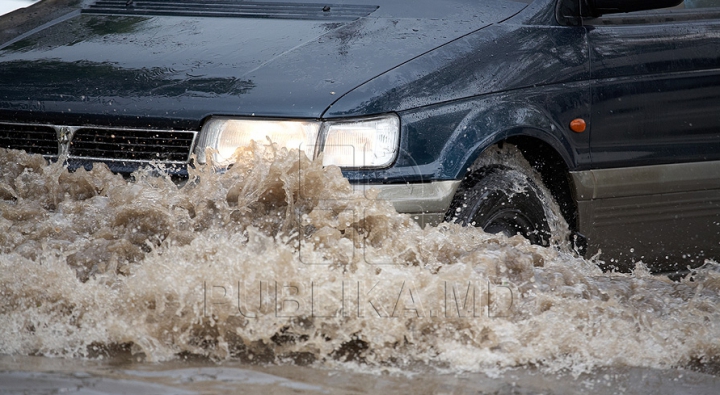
[[619, 113]]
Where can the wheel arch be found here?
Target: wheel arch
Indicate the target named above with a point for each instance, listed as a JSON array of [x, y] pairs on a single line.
[[547, 155], [554, 172]]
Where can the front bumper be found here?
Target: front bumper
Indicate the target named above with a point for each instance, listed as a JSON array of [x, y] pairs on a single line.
[[427, 202]]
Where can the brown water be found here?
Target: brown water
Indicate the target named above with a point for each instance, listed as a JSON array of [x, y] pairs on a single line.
[[278, 261]]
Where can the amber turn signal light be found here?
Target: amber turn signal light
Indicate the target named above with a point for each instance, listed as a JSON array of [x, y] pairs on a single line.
[[578, 125]]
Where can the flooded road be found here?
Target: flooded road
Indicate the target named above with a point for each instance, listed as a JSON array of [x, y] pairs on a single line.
[[275, 274], [36, 375]]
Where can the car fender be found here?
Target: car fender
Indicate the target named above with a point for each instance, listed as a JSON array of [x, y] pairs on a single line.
[[445, 140]]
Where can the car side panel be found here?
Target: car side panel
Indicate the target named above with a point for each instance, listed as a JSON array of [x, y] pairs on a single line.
[[667, 216], [667, 232], [655, 93], [655, 128]]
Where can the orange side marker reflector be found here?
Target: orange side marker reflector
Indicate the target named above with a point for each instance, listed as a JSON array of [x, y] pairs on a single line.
[[578, 125]]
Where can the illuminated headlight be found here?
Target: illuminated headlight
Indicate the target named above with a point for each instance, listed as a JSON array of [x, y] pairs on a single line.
[[226, 135], [358, 143], [364, 143]]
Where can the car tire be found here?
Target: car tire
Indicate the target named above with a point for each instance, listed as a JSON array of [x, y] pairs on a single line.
[[505, 200]]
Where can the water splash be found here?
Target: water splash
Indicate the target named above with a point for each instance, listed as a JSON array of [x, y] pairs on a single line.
[[278, 260]]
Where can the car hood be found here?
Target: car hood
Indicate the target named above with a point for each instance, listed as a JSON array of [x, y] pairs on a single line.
[[191, 65]]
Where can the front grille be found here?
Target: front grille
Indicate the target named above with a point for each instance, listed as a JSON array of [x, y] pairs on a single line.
[[233, 8], [33, 139], [91, 143], [132, 145]]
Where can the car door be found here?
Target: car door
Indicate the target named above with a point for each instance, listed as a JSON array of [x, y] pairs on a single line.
[[655, 136], [655, 93]]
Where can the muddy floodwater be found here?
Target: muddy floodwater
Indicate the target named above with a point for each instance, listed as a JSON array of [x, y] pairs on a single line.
[[277, 276]]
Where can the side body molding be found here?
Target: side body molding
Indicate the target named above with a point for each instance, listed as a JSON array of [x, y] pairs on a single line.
[[645, 212]]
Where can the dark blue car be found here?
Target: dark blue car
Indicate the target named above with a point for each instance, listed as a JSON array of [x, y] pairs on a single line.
[[506, 114]]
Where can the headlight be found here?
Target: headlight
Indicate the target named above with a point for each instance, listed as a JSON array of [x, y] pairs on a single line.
[[366, 143], [360, 143], [227, 135]]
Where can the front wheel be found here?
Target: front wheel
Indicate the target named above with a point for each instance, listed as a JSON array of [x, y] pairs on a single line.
[[502, 200]]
